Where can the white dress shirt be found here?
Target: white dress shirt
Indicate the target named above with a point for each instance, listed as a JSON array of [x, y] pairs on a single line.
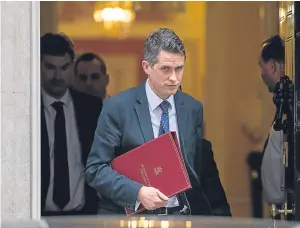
[[76, 168], [155, 114]]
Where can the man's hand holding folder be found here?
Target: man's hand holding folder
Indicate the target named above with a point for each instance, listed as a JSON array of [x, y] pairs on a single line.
[[155, 164], [151, 198]]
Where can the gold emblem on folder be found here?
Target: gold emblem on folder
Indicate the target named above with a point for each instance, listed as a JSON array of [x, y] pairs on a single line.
[[158, 170]]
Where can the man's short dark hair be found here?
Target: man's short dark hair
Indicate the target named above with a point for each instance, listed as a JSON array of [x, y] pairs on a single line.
[[88, 57], [162, 39], [56, 45], [273, 48]]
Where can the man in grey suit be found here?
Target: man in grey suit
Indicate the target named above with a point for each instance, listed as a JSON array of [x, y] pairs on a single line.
[[272, 64], [140, 114]]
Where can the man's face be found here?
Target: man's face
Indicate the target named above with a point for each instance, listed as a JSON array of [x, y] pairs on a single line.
[[165, 76], [270, 73], [56, 71], [90, 79]]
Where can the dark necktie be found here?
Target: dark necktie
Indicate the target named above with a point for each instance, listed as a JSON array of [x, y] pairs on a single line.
[[61, 188], [165, 127]]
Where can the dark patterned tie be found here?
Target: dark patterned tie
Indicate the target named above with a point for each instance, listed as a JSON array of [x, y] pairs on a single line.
[[165, 127], [61, 186]]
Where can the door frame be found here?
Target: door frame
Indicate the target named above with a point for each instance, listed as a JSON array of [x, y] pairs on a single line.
[[35, 113]]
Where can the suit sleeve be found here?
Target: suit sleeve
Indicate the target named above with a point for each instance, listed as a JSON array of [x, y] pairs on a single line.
[[272, 169], [212, 186], [98, 173]]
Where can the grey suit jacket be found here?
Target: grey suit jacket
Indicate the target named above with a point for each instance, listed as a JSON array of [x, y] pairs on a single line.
[[125, 124], [273, 170]]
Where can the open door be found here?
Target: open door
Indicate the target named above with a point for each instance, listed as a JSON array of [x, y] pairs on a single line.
[[289, 28], [296, 74]]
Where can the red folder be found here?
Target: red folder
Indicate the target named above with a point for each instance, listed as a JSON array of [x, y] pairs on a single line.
[[157, 163]]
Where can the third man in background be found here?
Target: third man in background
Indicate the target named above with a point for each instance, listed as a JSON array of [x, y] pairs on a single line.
[[91, 75]]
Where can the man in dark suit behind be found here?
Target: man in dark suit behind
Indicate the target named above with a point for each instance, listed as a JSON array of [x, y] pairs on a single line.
[[207, 171], [68, 122], [140, 114]]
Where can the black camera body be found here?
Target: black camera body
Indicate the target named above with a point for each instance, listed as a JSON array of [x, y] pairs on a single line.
[[284, 100]]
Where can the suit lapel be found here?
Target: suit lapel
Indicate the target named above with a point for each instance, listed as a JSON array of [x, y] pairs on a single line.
[[82, 121], [45, 156], [182, 119], [143, 115]]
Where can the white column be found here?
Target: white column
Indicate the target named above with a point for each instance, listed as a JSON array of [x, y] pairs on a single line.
[[20, 110]]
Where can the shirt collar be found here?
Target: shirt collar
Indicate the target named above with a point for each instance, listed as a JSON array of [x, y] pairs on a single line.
[[48, 100], [154, 100]]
